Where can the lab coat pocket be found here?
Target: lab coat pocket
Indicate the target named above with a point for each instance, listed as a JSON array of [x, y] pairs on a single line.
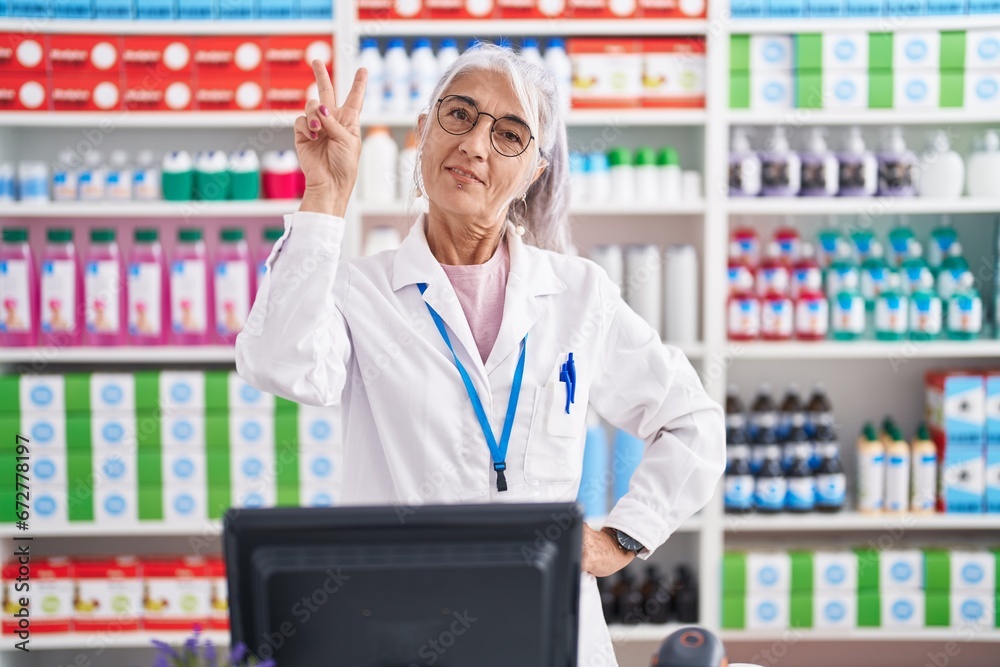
[[555, 443]]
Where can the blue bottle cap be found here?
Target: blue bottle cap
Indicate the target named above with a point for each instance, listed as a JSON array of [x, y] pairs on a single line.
[[422, 43], [369, 43], [555, 42], [449, 42], [597, 162], [397, 43], [529, 43]]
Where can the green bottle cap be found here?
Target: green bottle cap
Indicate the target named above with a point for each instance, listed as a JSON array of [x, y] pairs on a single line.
[[869, 431], [189, 235], [102, 235], [60, 235], [619, 157], [922, 432], [273, 233], [146, 235], [15, 235], [645, 156], [232, 235], [668, 157]]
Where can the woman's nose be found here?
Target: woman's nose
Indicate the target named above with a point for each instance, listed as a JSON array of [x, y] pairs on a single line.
[[476, 143]]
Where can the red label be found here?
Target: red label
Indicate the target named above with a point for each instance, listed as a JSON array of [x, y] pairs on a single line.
[[289, 91], [228, 93], [229, 56], [26, 91], [86, 92], [94, 54], [143, 92], [23, 53], [157, 55]]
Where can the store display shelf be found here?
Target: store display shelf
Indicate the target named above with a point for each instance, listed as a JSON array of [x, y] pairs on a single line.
[[580, 118], [542, 27], [108, 121], [178, 27], [79, 641], [644, 632], [687, 208], [855, 522], [813, 117], [865, 24], [793, 635], [38, 357], [871, 206], [868, 349], [88, 529], [259, 208]]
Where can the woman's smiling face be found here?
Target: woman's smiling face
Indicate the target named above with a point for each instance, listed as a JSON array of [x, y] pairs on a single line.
[[463, 175]]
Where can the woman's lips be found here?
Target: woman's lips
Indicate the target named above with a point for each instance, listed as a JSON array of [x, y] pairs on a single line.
[[462, 176]]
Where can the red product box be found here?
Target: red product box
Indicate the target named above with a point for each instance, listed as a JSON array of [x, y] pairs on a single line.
[[219, 612], [24, 91], [86, 92], [600, 9], [373, 10], [229, 56], [108, 594], [292, 55], [459, 9], [290, 91], [87, 54], [177, 593], [673, 72], [48, 590], [671, 9], [229, 93], [145, 93], [157, 56], [530, 9], [607, 73], [23, 53]]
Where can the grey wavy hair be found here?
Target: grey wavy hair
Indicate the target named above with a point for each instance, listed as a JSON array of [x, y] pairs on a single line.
[[545, 210]]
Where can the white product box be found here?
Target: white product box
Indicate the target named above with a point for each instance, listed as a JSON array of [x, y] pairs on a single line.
[[772, 89], [912, 49], [902, 609], [112, 391], [46, 431], [48, 505], [771, 52], [113, 429], [318, 426], [173, 598], [257, 494], [110, 598], [316, 496], [316, 467], [251, 466], [845, 50], [973, 571], [982, 49], [982, 89], [185, 502], [115, 504], [49, 593], [115, 466], [767, 611], [901, 570], [835, 571], [767, 572], [48, 468], [182, 390], [251, 430], [42, 393], [835, 610], [244, 397], [845, 89], [963, 479], [916, 89], [183, 430], [974, 610], [184, 465]]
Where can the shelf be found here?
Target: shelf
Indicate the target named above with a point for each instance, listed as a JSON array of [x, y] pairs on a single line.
[[808, 117], [579, 118], [402, 209], [862, 23], [854, 522], [90, 530], [859, 206], [260, 208], [645, 632], [67, 641], [274, 120], [868, 349], [170, 27], [541, 27], [935, 635], [167, 354]]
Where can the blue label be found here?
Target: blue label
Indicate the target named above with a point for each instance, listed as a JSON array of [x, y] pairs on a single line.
[[249, 394], [836, 574], [183, 468], [321, 500], [253, 500], [845, 90], [773, 92], [768, 576], [45, 469], [902, 610], [112, 395], [113, 432], [114, 469], [767, 611], [252, 468], [321, 467], [835, 611], [774, 52], [901, 572], [916, 90], [45, 506], [181, 393], [184, 504], [183, 430], [989, 48], [986, 89], [251, 431], [972, 573], [972, 610], [320, 430], [916, 50], [739, 492], [43, 432], [41, 396], [114, 505], [769, 493], [845, 50]]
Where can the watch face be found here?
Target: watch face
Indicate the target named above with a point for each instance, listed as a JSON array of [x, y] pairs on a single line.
[[628, 543]]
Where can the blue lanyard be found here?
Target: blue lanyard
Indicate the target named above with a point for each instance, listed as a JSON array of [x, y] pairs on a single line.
[[499, 452]]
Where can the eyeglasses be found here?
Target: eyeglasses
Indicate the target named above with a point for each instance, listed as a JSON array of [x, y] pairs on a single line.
[[457, 115]]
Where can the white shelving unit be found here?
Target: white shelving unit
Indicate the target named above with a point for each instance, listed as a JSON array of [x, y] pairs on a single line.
[[502, 28], [867, 117], [777, 206], [854, 522], [178, 27], [625, 117]]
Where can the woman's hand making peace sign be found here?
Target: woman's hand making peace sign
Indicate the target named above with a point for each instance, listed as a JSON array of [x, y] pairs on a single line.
[[328, 143]]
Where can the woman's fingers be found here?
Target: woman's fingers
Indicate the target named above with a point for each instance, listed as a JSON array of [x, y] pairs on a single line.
[[302, 131], [324, 84], [356, 98]]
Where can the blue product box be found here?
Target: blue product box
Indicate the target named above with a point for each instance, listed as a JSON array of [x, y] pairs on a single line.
[[865, 8], [32, 8], [826, 8], [113, 9], [956, 407], [963, 479], [993, 479], [984, 6], [236, 9], [278, 9], [316, 9], [196, 10], [946, 7], [993, 410], [778, 9], [155, 9], [3, 7], [73, 9], [906, 7], [747, 9]]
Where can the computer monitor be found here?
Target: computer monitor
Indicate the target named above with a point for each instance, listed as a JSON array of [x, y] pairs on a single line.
[[460, 585]]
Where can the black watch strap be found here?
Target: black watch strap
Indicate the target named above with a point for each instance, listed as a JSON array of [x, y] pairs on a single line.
[[626, 541]]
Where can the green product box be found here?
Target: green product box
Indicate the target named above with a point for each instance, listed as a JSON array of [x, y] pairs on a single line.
[[809, 89], [952, 89], [937, 609], [734, 573], [216, 391], [150, 503], [733, 612], [739, 90], [868, 570], [952, 50], [739, 53], [800, 613], [802, 572], [147, 392], [869, 609], [879, 51], [880, 89], [937, 570], [809, 51], [10, 395]]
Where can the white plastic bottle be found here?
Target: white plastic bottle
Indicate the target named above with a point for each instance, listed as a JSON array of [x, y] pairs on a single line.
[[405, 184], [820, 170], [558, 63], [858, 167], [447, 54], [377, 173], [781, 168], [33, 181], [680, 294], [7, 189], [744, 166], [622, 174], [370, 58], [598, 178], [424, 72], [646, 176], [119, 183], [531, 52], [93, 178], [397, 77], [668, 165], [643, 271], [66, 177], [984, 168], [941, 172], [146, 178]]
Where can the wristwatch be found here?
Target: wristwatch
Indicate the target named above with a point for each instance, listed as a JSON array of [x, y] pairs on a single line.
[[625, 541]]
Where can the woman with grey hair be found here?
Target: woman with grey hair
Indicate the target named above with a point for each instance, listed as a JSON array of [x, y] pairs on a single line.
[[465, 360]]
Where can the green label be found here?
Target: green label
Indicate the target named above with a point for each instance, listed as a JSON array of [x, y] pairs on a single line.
[[148, 421]]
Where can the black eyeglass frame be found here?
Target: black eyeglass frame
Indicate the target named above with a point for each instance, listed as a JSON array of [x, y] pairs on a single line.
[[479, 113]]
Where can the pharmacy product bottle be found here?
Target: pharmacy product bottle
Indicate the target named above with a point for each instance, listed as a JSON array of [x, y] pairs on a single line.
[[61, 291], [965, 311], [789, 243], [926, 311], [792, 435], [902, 242], [812, 311], [177, 176], [770, 484], [234, 287], [212, 180], [147, 290], [104, 290], [897, 474], [739, 480], [862, 242], [939, 248], [120, 177], [646, 176], [680, 294], [406, 163], [914, 270], [831, 482], [627, 454], [870, 471], [790, 410], [424, 70], [848, 312], [781, 168], [875, 273], [66, 177], [612, 260], [531, 52], [942, 171], [559, 65], [447, 54], [801, 493], [828, 242], [397, 77], [744, 166], [578, 179], [858, 167], [806, 272], [764, 426], [379, 159], [375, 92], [777, 317], [146, 182], [33, 181], [743, 309], [599, 178], [923, 480], [623, 190], [819, 410], [735, 410], [984, 167], [270, 237], [93, 178], [841, 269], [18, 290], [747, 245], [643, 281], [891, 310], [668, 165], [895, 165], [244, 171], [820, 170], [8, 183], [282, 178], [190, 285], [952, 270]]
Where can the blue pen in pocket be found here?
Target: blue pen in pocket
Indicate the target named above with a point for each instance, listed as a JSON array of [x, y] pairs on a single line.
[[567, 374]]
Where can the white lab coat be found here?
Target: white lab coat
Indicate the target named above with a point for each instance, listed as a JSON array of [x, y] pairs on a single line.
[[321, 328]]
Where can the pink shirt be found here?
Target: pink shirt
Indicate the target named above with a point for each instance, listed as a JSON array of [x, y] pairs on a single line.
[[481, 289]]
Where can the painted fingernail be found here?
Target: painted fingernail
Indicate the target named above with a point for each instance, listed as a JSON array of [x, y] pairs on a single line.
[[313, 135], [323, 110], [314, 124]]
